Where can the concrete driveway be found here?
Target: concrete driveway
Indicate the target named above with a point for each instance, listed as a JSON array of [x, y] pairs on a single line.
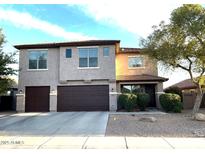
[[54, 123]]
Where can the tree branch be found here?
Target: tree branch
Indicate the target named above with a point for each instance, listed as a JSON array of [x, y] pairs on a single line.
[[182, 67], [203, 71]]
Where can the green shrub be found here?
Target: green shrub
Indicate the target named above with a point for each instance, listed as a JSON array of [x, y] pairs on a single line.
[[131, 102], [122, 99], [174, 90], [142, 100], [178, 107], [171, 102]]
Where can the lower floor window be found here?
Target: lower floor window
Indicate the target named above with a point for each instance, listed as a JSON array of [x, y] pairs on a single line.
[[132, 89]]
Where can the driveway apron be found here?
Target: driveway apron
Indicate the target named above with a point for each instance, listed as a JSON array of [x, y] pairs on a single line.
[[55, 124]]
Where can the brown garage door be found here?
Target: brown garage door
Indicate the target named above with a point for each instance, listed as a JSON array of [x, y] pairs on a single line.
[[37, 99], [83, 98]]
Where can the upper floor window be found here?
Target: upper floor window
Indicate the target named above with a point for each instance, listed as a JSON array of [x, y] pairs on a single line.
[[135, 62], [38, 59], [106, 51], [68, 53], [88, 57]]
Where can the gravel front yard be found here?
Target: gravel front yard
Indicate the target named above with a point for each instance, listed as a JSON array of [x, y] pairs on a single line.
[[168, 125]]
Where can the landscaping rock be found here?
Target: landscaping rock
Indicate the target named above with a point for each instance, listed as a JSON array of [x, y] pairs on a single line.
[[199, 133], [148, 119], [199, 117]]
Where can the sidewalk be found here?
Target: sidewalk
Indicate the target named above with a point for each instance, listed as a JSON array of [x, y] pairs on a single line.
[[58, 142]]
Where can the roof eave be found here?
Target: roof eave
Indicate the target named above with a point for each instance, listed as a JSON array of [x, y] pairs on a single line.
[[63, 44]]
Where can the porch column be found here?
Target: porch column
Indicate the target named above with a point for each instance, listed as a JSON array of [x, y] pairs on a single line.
[[112, 96], [158, 92], [20, 102], [53, 101]]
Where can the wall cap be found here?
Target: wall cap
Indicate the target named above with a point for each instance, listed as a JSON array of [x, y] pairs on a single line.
[[115, 93], [159, 92], [20, 94]]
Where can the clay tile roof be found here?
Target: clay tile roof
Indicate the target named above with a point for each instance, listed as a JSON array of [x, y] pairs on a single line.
[[61, 44], [143, 77]]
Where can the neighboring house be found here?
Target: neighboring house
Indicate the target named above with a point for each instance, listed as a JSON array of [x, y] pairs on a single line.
[[82, 76], [189, 90], [187, 86]]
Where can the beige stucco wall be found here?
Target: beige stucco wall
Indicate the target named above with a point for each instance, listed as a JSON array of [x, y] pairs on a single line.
[[47, 77], [69, 68], [65, 71], [150, 66]]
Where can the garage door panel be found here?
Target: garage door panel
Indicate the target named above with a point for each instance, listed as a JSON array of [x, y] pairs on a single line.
[[83, 98], [37, 99]]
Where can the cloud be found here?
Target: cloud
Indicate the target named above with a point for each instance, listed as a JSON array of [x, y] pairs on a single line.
[[26, 20], [137, 17]]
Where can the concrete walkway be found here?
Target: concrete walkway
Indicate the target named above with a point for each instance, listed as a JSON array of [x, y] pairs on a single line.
[[58, 142]]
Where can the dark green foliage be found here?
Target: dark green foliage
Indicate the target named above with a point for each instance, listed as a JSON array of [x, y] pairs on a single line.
[[171, 102], [5, 70], [131, 102], [178, 107], [127, 101], [174, 90], [5, 85], [142, 100], [122, 99]]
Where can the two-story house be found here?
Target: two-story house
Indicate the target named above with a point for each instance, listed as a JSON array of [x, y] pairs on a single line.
[[82, 76]]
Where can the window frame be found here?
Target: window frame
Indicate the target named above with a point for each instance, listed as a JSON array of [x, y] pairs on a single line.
[[70, 53], [108, 51], [88, 57], [37, 50], [143, 66]]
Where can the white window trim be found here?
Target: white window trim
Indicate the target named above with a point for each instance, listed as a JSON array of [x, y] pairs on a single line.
[[141, 67], [37, 70], [89, 59], [84, 68], [33, 50]]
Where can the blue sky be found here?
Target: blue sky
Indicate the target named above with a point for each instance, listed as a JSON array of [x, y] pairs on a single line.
[[125, 20], [70, 18]]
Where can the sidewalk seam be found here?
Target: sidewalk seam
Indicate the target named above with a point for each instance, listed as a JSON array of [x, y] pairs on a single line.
[[168, 143], [126, 143], [83, 146], [38, 147]]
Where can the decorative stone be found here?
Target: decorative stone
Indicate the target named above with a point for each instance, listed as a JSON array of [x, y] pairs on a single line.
[[148, 119], [199, 117], [199, 133]]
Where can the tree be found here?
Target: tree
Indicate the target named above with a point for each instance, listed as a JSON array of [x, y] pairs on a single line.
[[5, 70], [181, 44]]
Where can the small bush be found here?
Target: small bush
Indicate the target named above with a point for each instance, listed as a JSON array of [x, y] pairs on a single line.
[[122, 99], [178, 107], [174, 90], [171, 102], [142, 100], [131, 102]]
